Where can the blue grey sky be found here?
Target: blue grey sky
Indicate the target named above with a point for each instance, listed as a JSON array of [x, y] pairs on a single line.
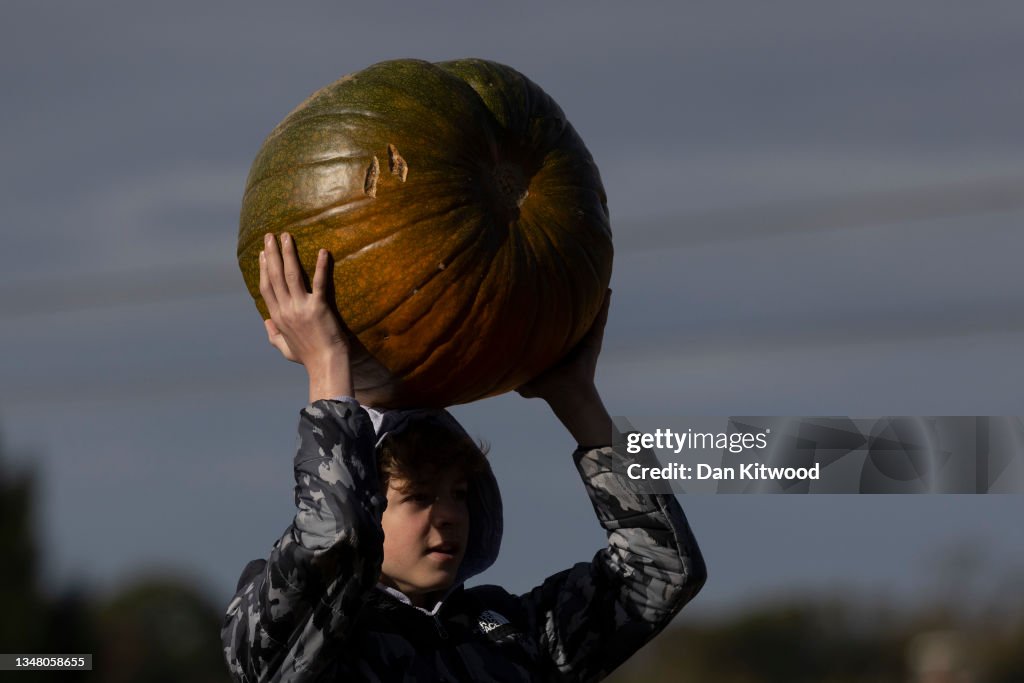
[[814, 207]]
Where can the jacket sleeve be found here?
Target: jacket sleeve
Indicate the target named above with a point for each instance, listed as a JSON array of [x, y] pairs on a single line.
[[592, 617], [300, 602]]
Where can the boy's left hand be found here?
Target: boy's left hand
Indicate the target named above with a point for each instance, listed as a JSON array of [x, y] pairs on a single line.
[[569, 388], [575, 372]]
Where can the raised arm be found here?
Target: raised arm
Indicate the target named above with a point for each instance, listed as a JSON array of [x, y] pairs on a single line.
[[310, 590], [303, 325], [592, 617]]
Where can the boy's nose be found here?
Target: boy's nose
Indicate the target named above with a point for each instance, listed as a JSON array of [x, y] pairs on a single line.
[[445, 511]]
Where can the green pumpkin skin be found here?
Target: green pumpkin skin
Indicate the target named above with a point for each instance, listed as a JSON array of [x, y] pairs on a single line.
[[466, 219]]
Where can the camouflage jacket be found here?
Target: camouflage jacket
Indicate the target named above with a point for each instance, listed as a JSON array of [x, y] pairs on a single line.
[[313, 612]]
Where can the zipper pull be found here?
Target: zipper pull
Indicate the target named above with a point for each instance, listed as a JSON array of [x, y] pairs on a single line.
[[440, 629]]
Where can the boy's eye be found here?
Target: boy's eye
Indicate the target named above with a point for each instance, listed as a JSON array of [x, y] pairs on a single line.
[[461, 494], [419, 497]]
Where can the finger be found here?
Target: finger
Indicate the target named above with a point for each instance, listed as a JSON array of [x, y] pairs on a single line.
[[602, 315], [601, 319], [320, 275], [265, 289], [292, 268], [275, 270], [590, 345], [526, 391], [277, 340]]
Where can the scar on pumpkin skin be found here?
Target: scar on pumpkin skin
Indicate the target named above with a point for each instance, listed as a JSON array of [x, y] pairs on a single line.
[[370, 184], [396, 163]]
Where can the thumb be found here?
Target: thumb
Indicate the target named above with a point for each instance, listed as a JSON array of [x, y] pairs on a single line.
[[277, 339], [272, 331]]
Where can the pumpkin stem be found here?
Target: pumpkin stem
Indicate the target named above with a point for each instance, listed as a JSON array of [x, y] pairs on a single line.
[[510, 187]]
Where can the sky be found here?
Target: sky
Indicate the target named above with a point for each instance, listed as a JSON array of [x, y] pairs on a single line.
[[815, 212]]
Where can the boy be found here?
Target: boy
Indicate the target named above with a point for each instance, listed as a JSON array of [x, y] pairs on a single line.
[[355, 590]]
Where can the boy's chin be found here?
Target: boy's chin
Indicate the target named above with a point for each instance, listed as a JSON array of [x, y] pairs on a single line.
[[440, 585], [419, 588]]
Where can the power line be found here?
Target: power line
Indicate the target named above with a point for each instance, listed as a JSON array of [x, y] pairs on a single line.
[[114, 290], [779, 219], [756, 338], [767, 221]]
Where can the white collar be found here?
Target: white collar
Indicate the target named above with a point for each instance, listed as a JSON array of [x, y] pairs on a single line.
[[402, 597]]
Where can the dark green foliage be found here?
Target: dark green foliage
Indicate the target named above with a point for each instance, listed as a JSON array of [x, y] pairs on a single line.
[[22, 625], [829, 641]]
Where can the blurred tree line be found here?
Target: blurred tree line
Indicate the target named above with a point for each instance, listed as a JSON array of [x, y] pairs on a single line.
[[158, 630], [163, 630], [835, 641]]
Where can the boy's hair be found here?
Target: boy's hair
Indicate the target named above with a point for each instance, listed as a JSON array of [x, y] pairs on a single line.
[[416, 454]]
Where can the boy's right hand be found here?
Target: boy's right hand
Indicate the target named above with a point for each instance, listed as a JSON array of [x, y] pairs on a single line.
[[303, 325]]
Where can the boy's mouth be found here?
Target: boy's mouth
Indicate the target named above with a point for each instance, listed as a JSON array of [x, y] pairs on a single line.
[[447, 551]]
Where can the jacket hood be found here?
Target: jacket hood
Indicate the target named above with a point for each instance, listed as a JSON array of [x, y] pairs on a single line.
[[484, 499]]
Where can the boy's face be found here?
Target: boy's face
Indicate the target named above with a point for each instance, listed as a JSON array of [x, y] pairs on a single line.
[[426, 528]]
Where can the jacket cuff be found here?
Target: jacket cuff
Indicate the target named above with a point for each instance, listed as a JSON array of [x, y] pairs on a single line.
[[330, 427]]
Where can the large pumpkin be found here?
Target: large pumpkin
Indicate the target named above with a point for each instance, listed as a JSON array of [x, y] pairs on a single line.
[[466, 219]]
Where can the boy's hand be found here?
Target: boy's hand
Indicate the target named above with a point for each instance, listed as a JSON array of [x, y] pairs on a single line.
[[568, 387], [575, 372], [303, 325]]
